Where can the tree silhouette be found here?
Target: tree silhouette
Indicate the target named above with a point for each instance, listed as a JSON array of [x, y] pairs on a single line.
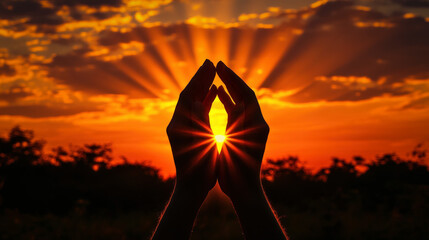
[[381, 198], [75, 177], [20, 148]]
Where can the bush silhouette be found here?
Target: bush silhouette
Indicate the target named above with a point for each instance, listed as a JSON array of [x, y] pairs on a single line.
[[383, 198]]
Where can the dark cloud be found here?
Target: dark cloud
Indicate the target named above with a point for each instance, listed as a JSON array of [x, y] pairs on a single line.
[[145, 34], [341, 40], [13, 9], [32, 9], [101, 77], [41, 111], [80, 16], [94, 75], [419, 103], [335, 39], [400, 52], [45, 18], [90, 3], [6, 70], [337, 92], [412, 3], [14, 93]]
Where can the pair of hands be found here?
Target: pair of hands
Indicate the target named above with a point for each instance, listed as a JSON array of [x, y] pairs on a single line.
[[198, 163]]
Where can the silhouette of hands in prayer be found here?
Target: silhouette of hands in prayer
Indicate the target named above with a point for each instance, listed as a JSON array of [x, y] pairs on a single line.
[[240, 160], [198, 164], [247, 132], [190, 135]]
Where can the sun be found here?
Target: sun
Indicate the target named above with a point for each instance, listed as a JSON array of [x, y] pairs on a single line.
[[218, 120], [219, 141], [220, 138]]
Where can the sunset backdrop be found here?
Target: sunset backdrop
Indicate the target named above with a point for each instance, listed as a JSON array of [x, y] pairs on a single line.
[[334, 78]]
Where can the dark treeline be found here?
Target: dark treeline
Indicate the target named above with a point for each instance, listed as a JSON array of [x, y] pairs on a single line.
[[383, 198], [79, 179]]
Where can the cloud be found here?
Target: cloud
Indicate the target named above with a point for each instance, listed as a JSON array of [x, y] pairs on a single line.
[[412, 3], [14, 93], [332, 44], [90, 3], [332, 51], [6, 70], [419, 103], [32, 13], [328, 40], [43, 111], [42, 16], [32, 9], [96, 76], [348, 89], [224, 11]]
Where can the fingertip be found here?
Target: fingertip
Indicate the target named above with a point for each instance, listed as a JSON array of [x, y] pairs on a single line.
[[206, 62], [220, 88], [213, 90], [225, 99], [220, 65], [212, 69], [209, 64], [208, 67], [210, 97]]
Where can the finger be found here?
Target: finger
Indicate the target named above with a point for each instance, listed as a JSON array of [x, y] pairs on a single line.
[[200, 83], [208, 101], [236, 120], [236, 86], [225, 99]]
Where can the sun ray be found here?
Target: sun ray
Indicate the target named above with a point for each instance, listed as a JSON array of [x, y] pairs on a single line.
[[200, 41], [197, 145], [239, 54], [170, 54], [241, 154], [132, 73], [201, 154], [218, 121]]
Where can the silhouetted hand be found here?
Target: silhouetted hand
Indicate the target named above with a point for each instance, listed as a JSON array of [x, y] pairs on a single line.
[[194, 152], [241, 157], [239, 163], [247, 132], [190, 135]]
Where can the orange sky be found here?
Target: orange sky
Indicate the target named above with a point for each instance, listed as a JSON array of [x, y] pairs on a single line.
[[338, 78]]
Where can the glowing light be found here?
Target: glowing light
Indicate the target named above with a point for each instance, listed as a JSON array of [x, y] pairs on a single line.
[[218, 121], [219, 141], [220, 138]]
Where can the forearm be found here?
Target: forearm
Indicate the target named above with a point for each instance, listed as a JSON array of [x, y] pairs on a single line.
[[178, 218], [257, 218]]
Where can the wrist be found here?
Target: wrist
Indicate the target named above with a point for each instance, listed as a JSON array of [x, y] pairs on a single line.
[[179, 216], [189, 193], [249, 196]]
